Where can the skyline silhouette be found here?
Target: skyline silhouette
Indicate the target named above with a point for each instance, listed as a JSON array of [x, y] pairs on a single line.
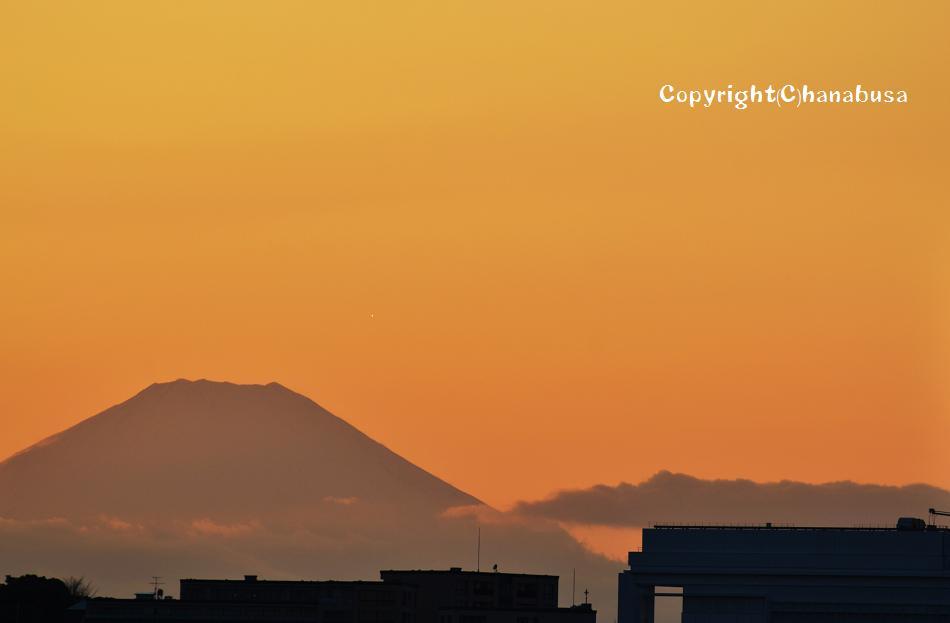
[[202, 477], [472, 292]]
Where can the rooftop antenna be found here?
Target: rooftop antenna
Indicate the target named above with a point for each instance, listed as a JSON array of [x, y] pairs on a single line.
[[573, 586], [156, 582], [934, 513], [586, 595]]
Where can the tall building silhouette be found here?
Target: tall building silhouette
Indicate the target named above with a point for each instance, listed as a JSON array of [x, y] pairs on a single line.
[[771, 574]]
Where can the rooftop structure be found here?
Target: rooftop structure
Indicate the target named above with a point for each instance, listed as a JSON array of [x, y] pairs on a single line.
[[786, 574], [412, 596], [457, 596]]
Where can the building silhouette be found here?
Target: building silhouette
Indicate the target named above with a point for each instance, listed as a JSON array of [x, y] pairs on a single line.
[[458, 596], [417, 596], [770, 574]]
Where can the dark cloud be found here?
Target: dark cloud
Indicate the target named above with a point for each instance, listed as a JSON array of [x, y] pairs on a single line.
[[679, 498]]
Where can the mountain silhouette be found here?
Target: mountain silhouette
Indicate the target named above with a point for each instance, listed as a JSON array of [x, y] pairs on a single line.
[[205, 447], [209, 479]]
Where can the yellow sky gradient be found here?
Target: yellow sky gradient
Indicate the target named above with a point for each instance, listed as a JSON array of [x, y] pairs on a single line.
[[471, 229]]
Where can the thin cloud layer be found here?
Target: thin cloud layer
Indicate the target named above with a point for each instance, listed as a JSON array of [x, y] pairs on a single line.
[[678, 498], [121, 555]]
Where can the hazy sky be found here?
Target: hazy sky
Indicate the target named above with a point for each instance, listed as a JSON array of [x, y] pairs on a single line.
[[471, 230]]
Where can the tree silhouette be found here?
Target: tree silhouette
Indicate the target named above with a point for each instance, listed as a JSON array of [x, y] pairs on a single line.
[[33, 599], [80, 588]]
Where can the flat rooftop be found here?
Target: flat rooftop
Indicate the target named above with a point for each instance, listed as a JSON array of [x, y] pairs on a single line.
[[910, 547], [458, 571], [263, 581], [790, 527]]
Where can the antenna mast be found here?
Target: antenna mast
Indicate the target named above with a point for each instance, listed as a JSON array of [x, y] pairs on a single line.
[[573, 586], [934, 513], [156, 582], [478, 550]]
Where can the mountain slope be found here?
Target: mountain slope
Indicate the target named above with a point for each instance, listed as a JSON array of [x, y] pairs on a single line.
[[208, 479], [205, 448]]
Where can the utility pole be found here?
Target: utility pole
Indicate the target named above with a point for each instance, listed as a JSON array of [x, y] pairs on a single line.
[[478, 550]]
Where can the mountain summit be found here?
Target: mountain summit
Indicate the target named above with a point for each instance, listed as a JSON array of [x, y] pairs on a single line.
[[206, 479], [203, 448]]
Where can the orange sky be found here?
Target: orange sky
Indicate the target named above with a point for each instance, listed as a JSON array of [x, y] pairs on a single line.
[[471, 230]]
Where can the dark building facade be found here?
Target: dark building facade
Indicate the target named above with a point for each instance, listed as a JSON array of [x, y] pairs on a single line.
[[457, 596], [765, 574], [452, 596], [252, 599]]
